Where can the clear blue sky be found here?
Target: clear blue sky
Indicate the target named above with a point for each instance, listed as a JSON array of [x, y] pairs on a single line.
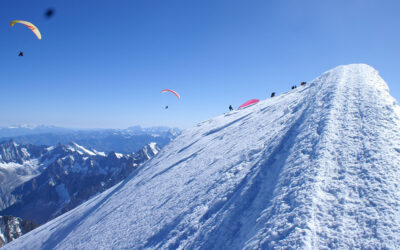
[[103, 63]]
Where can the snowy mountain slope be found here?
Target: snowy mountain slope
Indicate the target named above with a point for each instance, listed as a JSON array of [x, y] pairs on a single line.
[[317, 167]]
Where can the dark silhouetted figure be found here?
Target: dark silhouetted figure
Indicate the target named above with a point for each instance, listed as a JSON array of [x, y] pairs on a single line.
[[230, 108], [272, 94], [293, 87], [49, 13], [21, 53], [166, 107], [303, 83]]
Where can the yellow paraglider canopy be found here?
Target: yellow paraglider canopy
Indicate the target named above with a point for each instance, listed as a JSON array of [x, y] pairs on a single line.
[[30, 26]]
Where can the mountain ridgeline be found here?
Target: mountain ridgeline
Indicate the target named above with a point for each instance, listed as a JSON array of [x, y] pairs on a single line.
[[317, 167], [124, 141], [12, 152]]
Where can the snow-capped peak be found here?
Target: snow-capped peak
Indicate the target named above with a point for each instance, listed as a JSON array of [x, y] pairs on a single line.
[[118, 155]]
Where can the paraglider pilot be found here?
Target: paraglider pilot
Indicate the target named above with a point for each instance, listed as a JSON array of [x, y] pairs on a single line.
[[49, 13], [21, 53], [272, 94], [230, 108]]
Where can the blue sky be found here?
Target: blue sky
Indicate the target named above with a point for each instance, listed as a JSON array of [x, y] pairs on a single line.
[[102, 64]]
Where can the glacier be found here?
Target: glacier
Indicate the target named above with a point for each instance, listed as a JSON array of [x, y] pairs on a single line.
[[315, 167]]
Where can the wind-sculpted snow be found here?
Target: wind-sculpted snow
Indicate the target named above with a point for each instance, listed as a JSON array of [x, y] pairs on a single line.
[[316, 167]]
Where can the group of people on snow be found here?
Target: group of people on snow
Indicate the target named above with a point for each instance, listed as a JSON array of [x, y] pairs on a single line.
[[273, 93]]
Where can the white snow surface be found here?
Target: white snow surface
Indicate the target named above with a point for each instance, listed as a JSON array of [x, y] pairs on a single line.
[[80, 149], [317, 167], [153, 147], [119, 155], [99, 153]]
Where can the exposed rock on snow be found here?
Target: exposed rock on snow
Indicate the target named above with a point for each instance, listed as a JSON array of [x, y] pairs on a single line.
[[13, 227]]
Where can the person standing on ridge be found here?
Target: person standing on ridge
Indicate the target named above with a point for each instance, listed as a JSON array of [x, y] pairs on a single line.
[[230, 108]]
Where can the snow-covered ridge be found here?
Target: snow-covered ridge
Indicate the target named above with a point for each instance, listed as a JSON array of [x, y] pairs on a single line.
[[317, 167]]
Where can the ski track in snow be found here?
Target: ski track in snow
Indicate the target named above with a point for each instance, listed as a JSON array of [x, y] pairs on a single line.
[[314, 168]]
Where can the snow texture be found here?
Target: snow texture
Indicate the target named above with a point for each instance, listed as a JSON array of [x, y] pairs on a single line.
[[153, 147], [317, 167]]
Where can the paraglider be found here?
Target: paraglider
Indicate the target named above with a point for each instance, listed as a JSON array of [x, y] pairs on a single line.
[[49, 13], [21, 53], [171, 91], [248, 103], [32, 27]]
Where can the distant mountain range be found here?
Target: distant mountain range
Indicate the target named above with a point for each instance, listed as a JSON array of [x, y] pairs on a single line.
[[46, 171], [127, 140], [18, 130], [39, 183]]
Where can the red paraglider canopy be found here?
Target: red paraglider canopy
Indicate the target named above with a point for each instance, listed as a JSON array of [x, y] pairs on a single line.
[[249, 103], [173, 92]]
